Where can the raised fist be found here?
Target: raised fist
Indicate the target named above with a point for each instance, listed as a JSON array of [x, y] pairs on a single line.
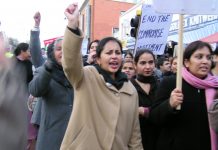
[[72, 14], [37, 19]]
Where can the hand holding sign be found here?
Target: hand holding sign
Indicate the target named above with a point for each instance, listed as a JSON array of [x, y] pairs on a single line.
[[181, 7]]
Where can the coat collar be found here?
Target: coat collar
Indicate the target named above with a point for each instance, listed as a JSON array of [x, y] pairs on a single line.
[[127, 88]]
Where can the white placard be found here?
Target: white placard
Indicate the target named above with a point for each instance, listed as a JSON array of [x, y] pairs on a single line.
[[84, 46], [198, 7], [153, 30]]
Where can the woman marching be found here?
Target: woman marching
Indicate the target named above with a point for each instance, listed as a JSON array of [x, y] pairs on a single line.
[[146, 86], [188, 128], [105, 113], [56, 92]]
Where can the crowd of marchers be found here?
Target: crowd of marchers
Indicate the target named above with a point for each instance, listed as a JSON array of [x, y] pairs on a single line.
[[108, 100]]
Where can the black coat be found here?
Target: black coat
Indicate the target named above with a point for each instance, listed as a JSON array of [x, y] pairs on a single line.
[[149, 131], [26, 66], [185, 129]]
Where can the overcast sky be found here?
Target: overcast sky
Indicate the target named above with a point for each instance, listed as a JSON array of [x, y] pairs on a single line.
[[16, 17]]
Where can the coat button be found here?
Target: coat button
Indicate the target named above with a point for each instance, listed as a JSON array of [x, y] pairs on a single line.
[[108, 84], [117, 94]]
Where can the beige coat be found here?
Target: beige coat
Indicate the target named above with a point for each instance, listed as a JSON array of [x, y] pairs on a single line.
[[103, 117]]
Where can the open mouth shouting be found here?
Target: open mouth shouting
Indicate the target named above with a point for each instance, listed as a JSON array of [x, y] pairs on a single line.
[[114, 65]]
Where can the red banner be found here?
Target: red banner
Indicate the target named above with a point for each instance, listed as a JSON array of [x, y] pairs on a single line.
[[49, 41]]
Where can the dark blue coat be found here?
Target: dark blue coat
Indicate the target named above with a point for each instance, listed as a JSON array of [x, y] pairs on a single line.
[[57, 101]]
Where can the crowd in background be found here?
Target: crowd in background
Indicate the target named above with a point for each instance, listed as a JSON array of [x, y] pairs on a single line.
[[107, 100]]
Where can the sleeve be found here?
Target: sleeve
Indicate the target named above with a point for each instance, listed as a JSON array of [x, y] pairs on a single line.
[[35, 49], [29, 71], [40, 83], [135, 140], [72, 57], [161, 112]]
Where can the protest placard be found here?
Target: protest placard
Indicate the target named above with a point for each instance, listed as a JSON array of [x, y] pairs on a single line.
[[201, 7], [153, 30], [198, 7]]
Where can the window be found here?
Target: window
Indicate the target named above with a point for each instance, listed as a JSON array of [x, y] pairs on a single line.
[[115, 32]]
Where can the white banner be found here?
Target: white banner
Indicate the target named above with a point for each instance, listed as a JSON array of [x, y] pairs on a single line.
[[153, 30], [197, 7]]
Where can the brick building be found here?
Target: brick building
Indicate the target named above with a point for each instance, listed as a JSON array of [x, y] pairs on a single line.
[[100, 18]]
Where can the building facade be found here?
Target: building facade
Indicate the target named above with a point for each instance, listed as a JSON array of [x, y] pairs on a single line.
[[100, 18], [196, 27]]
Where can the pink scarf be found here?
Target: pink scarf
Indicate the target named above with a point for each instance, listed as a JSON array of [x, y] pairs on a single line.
[[209, 83]]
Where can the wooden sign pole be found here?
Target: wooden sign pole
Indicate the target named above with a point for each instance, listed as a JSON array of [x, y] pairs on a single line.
[[180, 56]]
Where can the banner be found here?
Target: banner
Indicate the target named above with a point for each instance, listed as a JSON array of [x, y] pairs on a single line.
[[153, 30], [197, 7], [49, 41]]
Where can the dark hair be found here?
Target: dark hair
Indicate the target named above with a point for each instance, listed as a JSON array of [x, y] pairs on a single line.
[[103, 42], [90, 44], [128, 61], [21, 47], [215, 51], [128, 53], [194, 46], [51, 47], [161, 61], [50, 50], [140, 52], [175, 57]]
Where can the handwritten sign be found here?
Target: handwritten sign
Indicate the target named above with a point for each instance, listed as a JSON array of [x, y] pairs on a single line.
[[153, 30], [198, 7]]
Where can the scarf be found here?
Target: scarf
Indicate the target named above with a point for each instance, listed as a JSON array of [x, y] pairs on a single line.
[[119, 80], [57, 71], [144, 79], [209, 84], [59, 76]]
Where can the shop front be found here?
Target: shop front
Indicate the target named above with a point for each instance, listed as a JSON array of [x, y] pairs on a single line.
[[196, 27]]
